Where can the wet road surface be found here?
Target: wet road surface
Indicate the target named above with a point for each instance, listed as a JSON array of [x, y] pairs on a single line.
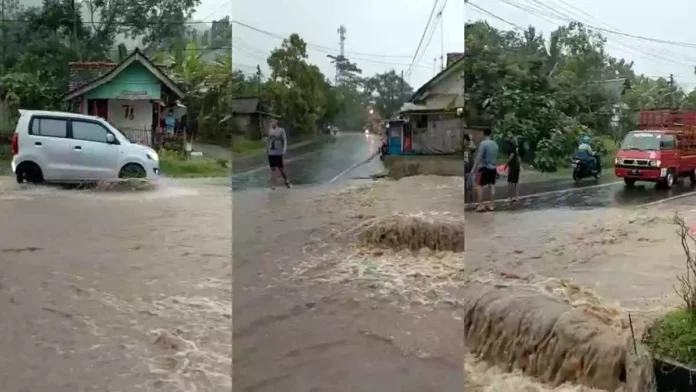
[[608, 191], [115, 291], [319, 163]]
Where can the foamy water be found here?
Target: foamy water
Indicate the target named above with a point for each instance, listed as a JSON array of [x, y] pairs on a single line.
[[573, 256]]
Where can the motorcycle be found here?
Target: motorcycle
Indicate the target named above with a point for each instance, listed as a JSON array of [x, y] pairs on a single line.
[[584, 167], [383, 150]]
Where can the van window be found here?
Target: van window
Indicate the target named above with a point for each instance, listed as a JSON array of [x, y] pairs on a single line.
[[667, 142], [51, 127], [89, 131]]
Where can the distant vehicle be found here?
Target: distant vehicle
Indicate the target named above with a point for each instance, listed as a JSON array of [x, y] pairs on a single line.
[[661, 151], [367, 132], [69, 147], [586, 166]]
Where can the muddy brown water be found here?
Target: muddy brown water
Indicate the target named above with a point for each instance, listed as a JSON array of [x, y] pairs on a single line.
[[89, 281], [133, 291], [308, 336]]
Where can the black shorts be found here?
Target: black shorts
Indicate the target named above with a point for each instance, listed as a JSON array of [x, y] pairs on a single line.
[[275, 161], [513, 175], [487, 176]]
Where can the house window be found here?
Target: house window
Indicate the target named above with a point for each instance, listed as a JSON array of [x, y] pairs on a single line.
[[422, 121]]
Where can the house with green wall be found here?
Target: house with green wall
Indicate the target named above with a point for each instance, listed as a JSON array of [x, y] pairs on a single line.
[[133, 95]]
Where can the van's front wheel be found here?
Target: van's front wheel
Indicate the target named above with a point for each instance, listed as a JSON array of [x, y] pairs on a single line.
[[132, 170]]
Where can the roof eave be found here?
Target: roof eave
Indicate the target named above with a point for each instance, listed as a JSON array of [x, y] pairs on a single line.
[[422, 92], [107, 77]]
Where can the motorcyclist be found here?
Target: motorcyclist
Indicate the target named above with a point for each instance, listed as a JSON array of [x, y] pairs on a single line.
[[585, 149]]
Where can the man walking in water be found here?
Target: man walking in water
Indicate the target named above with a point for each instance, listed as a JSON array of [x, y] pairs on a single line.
[[484, 165], [276, 147]]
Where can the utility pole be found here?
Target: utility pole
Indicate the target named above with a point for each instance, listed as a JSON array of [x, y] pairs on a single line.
[[442, 42], [672, 91], [463, 108], [341, 43], [258, 79], [402, 86], [3, 33]]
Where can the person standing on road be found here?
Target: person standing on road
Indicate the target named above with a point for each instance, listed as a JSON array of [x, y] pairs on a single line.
[[513, 168], [276, 147], [485, 166]]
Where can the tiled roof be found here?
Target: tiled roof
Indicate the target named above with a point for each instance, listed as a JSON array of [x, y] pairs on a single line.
[[82, 73]]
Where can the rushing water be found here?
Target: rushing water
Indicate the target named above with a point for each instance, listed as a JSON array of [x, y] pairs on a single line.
[[116, 290]]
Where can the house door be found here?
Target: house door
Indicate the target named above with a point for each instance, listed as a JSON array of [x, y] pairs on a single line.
[[408, 135], [394, 141], [98, 107]]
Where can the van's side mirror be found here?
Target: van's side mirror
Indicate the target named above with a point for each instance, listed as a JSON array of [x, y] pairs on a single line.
[[110, 138]]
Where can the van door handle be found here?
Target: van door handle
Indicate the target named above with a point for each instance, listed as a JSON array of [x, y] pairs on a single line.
[[79, 148], [37, 143]]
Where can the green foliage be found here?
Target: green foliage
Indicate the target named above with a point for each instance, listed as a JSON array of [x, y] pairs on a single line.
[[172, 164], [674, 337], [548, 94], [296, 90], [387, 91]]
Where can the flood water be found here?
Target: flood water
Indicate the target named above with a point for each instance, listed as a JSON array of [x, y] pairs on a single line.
[[107, 291]]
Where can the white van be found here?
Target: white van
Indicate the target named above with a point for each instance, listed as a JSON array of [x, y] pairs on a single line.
[[68, 147]]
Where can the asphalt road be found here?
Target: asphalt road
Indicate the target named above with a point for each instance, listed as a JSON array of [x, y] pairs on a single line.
[[589, 194], [345, 156]]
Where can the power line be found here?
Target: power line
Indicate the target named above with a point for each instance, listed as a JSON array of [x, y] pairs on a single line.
[[550, 16], [316, 46], [333, 52], [432, 32], [608, 31], [494, 16], [651, 54], [425, 31]]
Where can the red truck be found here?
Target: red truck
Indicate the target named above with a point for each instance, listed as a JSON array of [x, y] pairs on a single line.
[[662, 150]]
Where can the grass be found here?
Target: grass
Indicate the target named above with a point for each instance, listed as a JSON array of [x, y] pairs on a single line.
[[243, 146], [174, 165], [5, 159], [674, 337]]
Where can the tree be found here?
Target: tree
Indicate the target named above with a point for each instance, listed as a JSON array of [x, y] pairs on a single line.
[[547, 96], [296, 89], [388, 92], [154, 20]]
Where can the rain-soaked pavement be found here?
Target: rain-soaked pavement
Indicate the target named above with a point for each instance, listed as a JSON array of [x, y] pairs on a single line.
[[592, 195], [328, 161]]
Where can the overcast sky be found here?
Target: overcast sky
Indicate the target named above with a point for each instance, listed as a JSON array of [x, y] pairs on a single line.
[[383, 34]]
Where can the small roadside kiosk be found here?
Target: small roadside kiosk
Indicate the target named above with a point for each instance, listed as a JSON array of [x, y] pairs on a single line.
[[399, 137]]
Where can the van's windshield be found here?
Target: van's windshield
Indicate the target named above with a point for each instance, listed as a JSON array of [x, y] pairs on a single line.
[[641, 141]]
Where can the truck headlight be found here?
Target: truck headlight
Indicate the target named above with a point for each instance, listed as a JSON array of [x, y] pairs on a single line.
[[152, 156], [618, 161], [655, 163]]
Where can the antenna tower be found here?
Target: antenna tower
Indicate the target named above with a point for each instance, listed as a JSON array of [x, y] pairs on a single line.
[[342, 44]]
